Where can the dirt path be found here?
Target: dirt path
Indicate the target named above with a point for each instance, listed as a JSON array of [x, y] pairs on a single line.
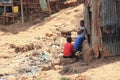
[[107, 69]]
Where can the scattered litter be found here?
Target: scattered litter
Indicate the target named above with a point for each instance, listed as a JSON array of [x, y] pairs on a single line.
[[33, 64], [35, 70], [65, 70], [45, 56], [2, 79]]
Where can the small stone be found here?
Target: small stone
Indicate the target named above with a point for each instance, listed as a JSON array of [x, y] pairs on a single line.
[[35, 70], [57, 25], [56, 67], [12, 78], [55, 62], [45, 68], [66, 69], [66, 61], [73, 34], [60, 55]]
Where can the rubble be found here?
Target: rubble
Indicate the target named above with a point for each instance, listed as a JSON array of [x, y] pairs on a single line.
[[49, 34], [65, 29], [30, 64], [55, 62], [25, 48], [45, 68], [80, 77], [73, 35], [69, 70], [57, 67], [66, 61]]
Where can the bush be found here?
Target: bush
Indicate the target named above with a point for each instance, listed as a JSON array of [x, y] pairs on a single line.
[[65, 78], [38, 79]]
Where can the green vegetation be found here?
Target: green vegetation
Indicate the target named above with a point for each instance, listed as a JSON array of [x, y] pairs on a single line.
[[64, 78], [38, 79]]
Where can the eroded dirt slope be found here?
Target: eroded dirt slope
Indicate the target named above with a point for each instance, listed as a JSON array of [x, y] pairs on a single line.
[[21, 46]]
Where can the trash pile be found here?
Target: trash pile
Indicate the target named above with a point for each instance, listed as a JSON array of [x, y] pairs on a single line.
[[45, 53], [34, 63], [30, 65]]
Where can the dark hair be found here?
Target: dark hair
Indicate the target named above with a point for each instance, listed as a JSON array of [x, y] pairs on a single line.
[[82, 21], [69, 39]]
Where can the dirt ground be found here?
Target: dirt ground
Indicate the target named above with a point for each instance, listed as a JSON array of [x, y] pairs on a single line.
[[48, 36]]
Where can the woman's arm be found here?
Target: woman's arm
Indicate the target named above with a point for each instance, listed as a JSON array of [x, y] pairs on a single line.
[[80, 31]]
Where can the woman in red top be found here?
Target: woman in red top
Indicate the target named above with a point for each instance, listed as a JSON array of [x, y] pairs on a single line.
[[69, 49]]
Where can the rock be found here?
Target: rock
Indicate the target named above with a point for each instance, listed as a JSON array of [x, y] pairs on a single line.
[[87, 52], [65, 29], [41, 37], [83, 64], [66, 70], [66, 61], [55, 62], [80, 77], [45, 68], [65, 33], [35, 70], [74, 35], [12, 45], [26, 78], [25, 68], [58, 33], [37, 45], [60, 55], [57, 67], [49, 34], [27, 47], [36, 52], [57, 25]]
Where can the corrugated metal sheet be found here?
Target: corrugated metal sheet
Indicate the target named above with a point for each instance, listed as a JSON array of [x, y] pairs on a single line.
[[93, 10], [111, 26], [105, 32]]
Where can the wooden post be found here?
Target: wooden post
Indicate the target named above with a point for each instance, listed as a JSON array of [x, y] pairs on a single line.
[[13, 14], [4, 15], [22, 13], [48, 4]]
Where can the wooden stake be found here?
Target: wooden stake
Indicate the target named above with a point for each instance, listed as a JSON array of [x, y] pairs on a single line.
[[50, 11], [22, 13]]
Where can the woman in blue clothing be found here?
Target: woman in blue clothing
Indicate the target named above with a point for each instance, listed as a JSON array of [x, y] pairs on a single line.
[[80, 36]]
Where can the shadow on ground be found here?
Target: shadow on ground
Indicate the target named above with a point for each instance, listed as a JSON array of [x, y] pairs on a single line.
[[81, 67]]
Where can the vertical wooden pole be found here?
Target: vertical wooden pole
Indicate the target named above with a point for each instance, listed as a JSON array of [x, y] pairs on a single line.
[[4, 15], [48, 4], [13, 12], [22, 13]]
